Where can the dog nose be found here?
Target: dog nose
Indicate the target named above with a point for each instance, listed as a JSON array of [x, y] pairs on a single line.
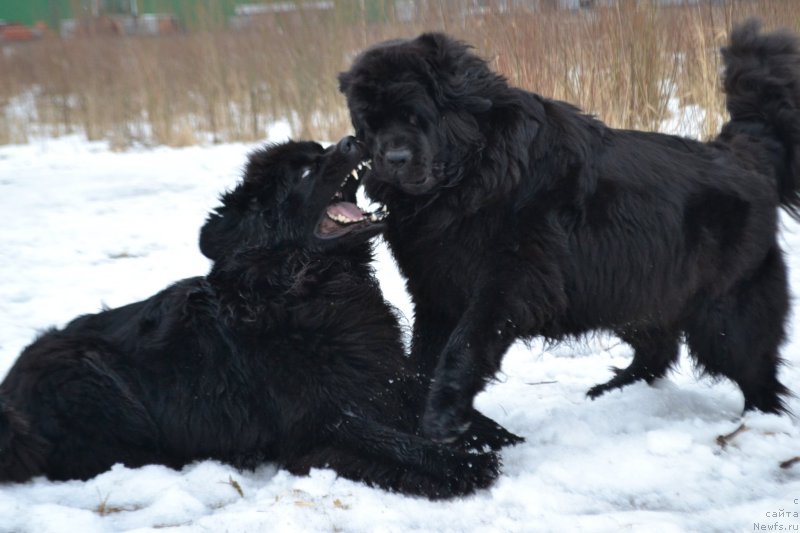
[[347, 145], [398, 157]]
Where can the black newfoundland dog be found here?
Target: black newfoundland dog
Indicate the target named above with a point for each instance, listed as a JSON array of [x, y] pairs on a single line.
[[514, 216], [285, 352]]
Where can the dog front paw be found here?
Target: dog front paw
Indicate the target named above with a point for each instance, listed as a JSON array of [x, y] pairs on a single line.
[[482, 469], [462, 475], [465, 474], [485, 434]]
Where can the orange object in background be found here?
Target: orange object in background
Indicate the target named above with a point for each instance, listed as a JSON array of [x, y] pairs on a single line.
[[14, 32]]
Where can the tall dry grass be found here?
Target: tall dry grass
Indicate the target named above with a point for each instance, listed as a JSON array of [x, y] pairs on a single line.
[[623, 63]]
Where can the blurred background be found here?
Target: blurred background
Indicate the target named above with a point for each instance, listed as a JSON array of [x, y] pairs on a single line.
[[182, 72]]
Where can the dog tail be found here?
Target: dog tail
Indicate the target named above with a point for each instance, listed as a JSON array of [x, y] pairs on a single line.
[[762, 87], [22, 453]]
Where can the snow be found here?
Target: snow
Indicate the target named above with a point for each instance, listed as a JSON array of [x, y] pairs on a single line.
[[84, 226]]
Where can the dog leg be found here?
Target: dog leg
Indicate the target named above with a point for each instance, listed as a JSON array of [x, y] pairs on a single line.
[[352, 464], [654, 353], [738, 335], [483, 432], [84, 410], [507, 305], [459, 376], [429, 337], [401, 461], [23, 451]]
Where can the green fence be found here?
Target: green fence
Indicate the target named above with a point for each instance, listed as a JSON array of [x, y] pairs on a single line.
[[188, 12]]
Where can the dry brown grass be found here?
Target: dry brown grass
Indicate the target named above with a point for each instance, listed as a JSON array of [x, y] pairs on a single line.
[[621, 63]]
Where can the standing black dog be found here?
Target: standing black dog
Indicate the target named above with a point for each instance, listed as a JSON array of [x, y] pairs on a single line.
[[285, 352], [515, 216]]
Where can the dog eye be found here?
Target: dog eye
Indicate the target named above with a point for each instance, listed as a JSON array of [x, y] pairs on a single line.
[[305, 172]]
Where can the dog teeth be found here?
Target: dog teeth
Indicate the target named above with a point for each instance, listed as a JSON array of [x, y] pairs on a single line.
[[354, 173], [342, 219]]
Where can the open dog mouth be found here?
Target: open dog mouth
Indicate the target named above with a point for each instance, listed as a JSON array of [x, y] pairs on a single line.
[[343, 215]]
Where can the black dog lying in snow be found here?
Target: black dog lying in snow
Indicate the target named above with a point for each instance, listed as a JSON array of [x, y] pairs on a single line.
[[285, 352], [515, 216]]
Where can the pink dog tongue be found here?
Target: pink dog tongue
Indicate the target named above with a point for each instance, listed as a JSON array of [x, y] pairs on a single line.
[[345, 209]]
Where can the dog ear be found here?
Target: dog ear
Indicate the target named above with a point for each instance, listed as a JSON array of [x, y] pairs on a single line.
[[209, 245], [460, 75], [476, 75], [344, 82], [461, 93], [224, 228], [436, 41], [462, 130], [212, 244]]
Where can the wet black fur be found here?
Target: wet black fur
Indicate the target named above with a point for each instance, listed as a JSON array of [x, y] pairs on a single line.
[[518, 216], [285, 352]]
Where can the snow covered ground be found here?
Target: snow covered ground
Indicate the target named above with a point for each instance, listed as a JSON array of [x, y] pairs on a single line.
[[83, 226]]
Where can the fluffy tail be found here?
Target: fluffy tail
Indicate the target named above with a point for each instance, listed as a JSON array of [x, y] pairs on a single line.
[[762, 86], [22, 452]]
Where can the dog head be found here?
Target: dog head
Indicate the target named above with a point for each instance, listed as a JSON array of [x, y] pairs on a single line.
[[296, 194], [417, 105]]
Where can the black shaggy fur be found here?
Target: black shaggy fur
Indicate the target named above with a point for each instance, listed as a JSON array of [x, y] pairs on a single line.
[[514, 216], [285, 352]]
